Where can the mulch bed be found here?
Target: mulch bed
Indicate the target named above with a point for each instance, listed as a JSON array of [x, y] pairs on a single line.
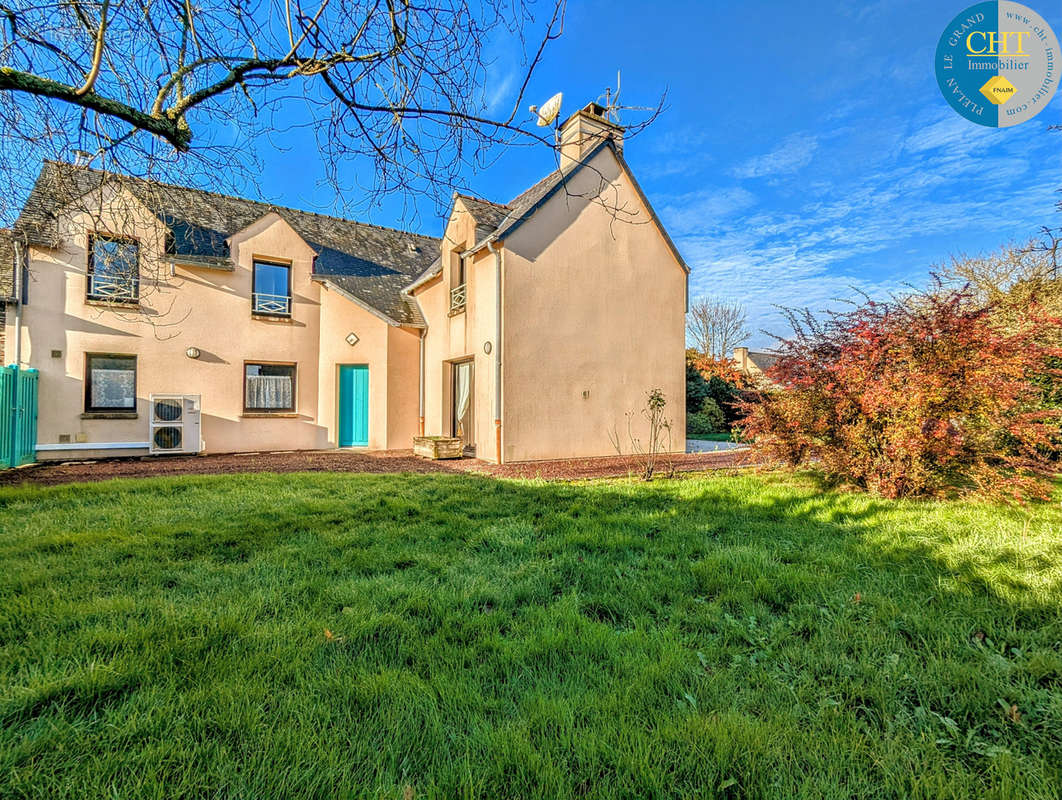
[[614, 466], [52, 473]]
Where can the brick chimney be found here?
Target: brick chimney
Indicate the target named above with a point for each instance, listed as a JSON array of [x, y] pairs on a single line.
[[582, 132]]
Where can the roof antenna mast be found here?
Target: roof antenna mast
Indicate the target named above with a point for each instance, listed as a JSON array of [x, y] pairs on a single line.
[[612, 104]]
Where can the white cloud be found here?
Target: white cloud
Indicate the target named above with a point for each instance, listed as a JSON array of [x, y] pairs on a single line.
[[706, 208], [496, 91], [857, 230], [794, 153], [950, 131]]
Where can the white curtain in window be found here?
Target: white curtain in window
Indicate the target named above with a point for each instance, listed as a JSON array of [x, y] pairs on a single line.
[[113, 388], [269, 391]]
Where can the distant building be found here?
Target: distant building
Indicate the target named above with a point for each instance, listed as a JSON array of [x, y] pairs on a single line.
[[754, 364]]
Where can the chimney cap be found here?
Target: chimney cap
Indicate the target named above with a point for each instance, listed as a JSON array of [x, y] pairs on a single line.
[[594, 111]]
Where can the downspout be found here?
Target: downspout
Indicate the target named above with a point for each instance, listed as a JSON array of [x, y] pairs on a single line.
[[16, 291], [495, 248], [420, 397]]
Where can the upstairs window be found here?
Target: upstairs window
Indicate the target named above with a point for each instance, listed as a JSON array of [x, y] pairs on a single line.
[[458, 285], [268, 387], [271, 290], [110, 382], [113, 269]]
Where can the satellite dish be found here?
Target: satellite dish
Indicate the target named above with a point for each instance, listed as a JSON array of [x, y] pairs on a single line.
[[549, 111]]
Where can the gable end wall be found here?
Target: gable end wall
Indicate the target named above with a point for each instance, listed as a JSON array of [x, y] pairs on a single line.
[[594, 317]]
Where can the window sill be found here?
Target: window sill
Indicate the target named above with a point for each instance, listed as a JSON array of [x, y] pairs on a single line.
[[287, 318], [125, 305], [455, 311], [109, 415], [269, 415]]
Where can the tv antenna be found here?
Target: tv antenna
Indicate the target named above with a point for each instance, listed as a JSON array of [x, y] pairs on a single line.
[[612, 104]]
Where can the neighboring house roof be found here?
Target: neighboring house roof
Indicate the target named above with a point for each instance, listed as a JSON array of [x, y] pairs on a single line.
[[507, 218], [7, 266], [762, 361], [368, 262]]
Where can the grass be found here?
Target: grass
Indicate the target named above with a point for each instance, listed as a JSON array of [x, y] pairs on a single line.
[[265, 636]]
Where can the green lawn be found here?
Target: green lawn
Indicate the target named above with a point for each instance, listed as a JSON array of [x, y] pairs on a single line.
[[730, 636]]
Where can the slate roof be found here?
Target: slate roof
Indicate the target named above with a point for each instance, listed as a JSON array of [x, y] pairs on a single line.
[[763, 361], [488, 215], [494, 220], [7, 266], [371, 263]]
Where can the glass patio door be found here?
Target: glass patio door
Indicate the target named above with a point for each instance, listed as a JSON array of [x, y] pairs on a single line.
[[461, 403]]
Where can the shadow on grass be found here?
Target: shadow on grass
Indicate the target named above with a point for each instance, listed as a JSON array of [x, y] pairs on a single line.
[[508, 638], [985, 548]]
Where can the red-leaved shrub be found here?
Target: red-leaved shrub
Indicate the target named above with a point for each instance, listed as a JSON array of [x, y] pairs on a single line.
[[915, 396]]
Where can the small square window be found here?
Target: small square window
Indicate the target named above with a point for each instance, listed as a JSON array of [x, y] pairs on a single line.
[[113, 268], [269, 387], [110, 383]]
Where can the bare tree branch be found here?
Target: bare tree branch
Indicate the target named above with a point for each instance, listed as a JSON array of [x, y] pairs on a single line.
[[398, 95], [715, 327]]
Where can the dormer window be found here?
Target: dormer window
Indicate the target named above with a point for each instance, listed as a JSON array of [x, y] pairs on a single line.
[[458, 286], [113, 269], [271, 289]]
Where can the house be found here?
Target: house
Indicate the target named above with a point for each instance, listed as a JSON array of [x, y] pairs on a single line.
[[530, 329], [754, 364]]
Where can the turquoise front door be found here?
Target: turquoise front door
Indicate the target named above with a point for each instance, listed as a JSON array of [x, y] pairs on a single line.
[[353, 405]]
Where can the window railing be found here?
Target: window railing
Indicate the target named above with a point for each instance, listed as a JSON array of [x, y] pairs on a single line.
[[278, 305], [113, 287], [458, 296]]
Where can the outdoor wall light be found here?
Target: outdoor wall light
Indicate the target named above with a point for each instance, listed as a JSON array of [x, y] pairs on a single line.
[[192, 352], [352, 338]]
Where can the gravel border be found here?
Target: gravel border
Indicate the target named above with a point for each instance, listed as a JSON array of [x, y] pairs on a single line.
[[387, 461]]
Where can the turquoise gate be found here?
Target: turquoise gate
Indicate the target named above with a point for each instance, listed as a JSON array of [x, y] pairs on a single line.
[[18, 416]]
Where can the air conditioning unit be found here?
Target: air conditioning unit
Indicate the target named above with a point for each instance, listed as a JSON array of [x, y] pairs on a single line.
[[175, 426]]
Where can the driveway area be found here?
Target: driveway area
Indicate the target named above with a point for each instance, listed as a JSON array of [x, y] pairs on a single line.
[[705, 446], [51, 473]]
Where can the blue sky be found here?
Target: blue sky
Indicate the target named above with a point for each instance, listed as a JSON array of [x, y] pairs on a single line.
[[806, 148]]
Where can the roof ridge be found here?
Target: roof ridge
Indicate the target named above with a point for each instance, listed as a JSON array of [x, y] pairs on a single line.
[[237, 197], [481, 200]]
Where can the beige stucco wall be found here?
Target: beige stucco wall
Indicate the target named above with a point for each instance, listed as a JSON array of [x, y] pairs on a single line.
[[403, 382], [461, 336], [392, 403], [594, 303], [211, 310]]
